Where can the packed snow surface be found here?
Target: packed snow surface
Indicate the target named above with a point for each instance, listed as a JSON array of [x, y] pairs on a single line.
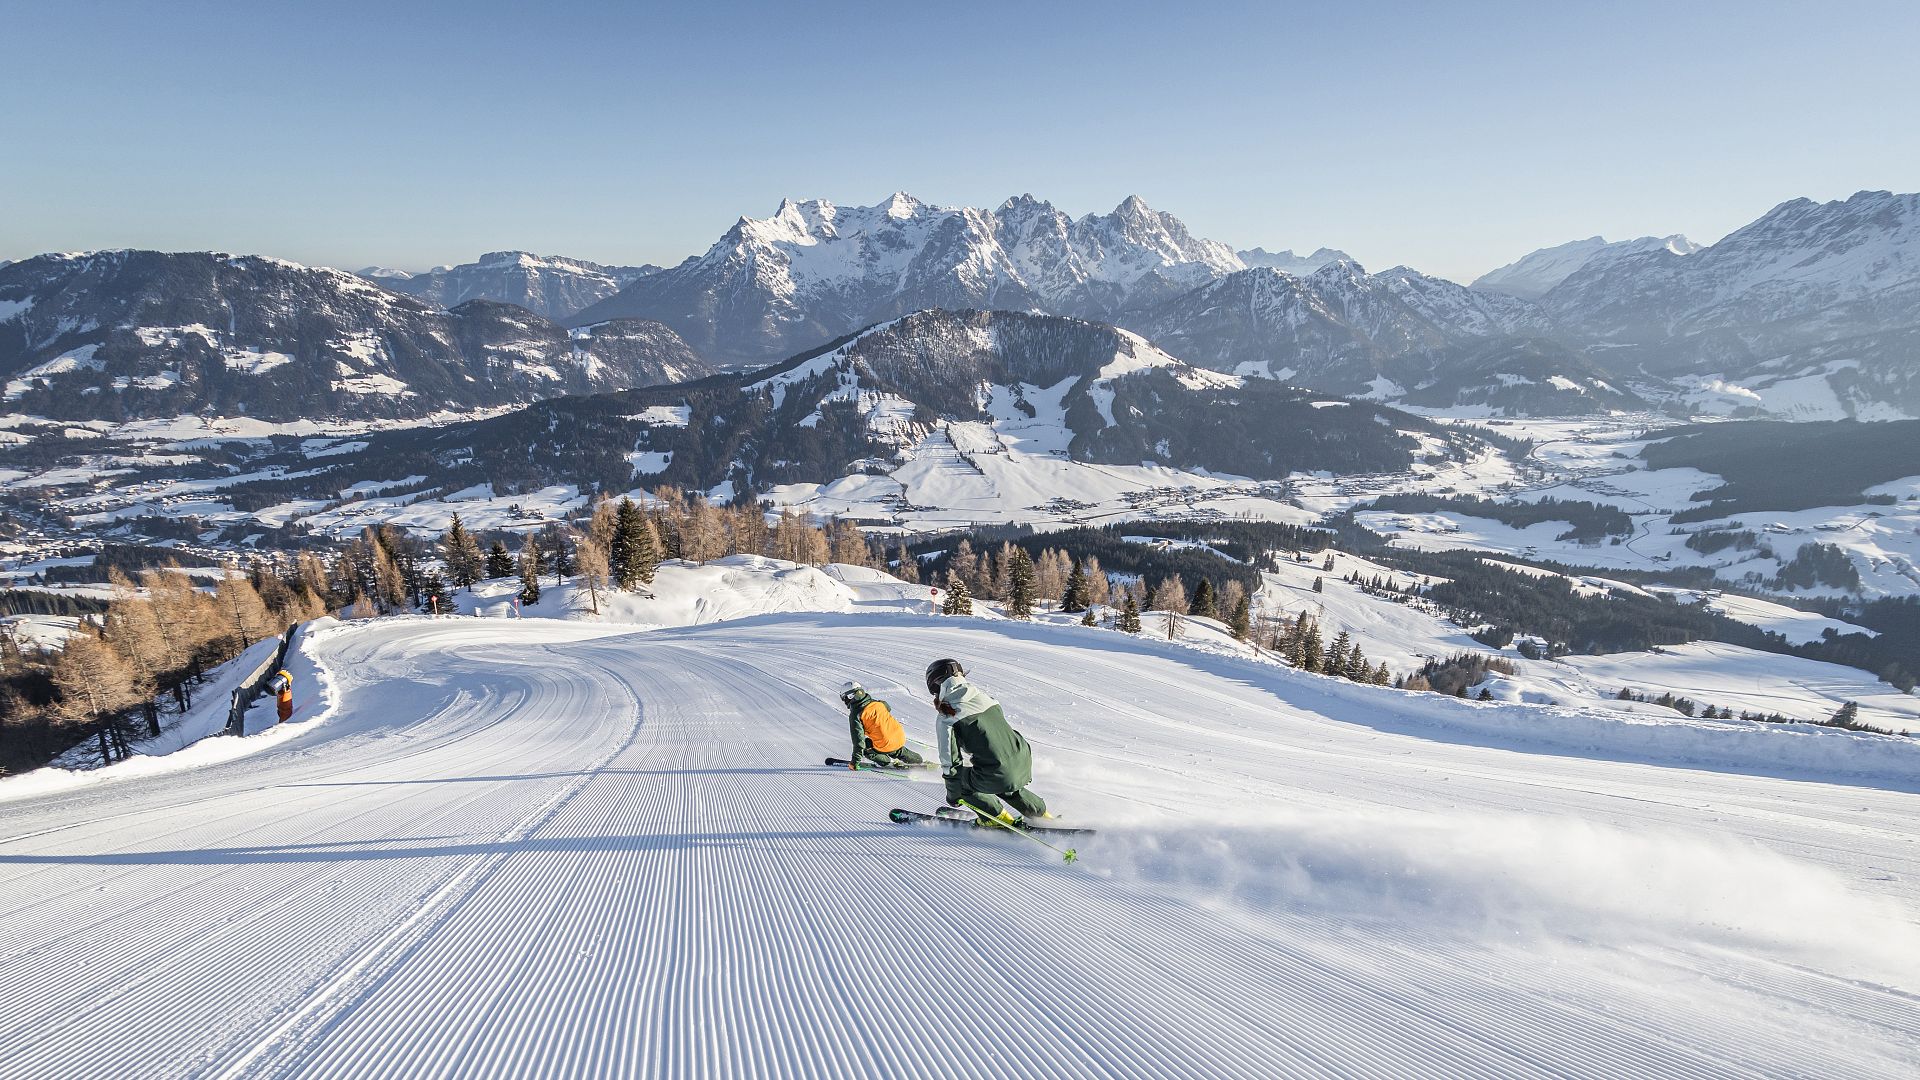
[[546, 847]]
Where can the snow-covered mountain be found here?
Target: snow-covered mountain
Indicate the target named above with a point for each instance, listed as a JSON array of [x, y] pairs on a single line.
[[1804, 274], [1338, 328], [814, 271], [1532, 276], [1288, 261], [543, 284], [977, 384], [122, 334]]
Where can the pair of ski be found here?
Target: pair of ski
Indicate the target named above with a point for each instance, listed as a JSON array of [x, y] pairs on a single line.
[[954, 816]]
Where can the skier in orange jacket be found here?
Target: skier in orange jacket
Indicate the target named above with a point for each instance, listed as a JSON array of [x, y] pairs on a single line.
[[877, 736]]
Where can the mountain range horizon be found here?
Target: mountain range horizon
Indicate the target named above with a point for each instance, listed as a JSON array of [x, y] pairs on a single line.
[[1285, 253]]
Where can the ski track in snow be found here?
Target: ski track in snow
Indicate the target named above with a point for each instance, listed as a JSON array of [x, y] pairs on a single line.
[[548, 849]]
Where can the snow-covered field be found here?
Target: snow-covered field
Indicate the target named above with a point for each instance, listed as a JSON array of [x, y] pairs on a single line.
[[548, 847]]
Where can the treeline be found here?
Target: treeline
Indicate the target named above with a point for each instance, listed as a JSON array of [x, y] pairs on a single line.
[[1714, 541], [1104, 546], [1053, 577], [36, 602], [1551, 608], [1589, 521], [1846, 717]]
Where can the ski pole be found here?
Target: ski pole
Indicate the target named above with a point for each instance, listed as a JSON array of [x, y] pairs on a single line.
[[1068, 854]]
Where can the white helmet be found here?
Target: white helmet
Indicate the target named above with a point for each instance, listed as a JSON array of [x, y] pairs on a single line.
[[848, 690]]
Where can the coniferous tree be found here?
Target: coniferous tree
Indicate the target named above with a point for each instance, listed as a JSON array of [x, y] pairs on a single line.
[[1357, 668], [1311, 657], [1020, 585], [557, 544], [1241, 621], [1202, 605], [1090, 618], [1335, 660], [907, 566], [1001, 572], [499, 560], [1073, 596], [1130, 616], [461, 554], [532, 565], [635, 551], [1846, 716], [433, 595], [959, 601]]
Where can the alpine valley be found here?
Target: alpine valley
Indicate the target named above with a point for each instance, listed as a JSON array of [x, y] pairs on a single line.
[[1599, 418]]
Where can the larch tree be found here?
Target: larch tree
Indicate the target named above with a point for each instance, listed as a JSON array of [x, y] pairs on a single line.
[[134, 633], [1170, 595], [1099, 589], [94, 685], [706, 536], [964, 565], [593, 570], [246, 617]]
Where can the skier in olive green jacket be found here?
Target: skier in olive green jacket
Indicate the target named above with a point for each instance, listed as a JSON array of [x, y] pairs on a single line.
[[982, 758]]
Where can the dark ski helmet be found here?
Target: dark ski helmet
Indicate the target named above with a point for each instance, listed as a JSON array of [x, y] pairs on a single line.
[[940, 671]]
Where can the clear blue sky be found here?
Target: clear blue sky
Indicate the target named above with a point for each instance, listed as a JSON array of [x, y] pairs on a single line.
[[1451, 137]]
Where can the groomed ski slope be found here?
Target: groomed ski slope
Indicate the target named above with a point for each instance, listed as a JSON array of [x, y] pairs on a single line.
[[519, 849]]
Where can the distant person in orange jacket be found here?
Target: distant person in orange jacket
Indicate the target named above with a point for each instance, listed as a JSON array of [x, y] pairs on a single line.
[[282, 687], [877, 736]]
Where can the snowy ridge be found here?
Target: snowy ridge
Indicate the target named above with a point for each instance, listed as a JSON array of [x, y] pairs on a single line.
[[775, 286], [1534, 275], [231, 335]]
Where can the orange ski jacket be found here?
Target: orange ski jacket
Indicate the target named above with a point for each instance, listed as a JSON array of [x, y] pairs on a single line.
[[876, 720]]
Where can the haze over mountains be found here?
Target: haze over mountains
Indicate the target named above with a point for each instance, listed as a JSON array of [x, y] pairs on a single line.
[[1808, 312], [546, 285]]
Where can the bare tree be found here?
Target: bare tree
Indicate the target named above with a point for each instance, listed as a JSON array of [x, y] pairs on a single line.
[[246, 618], [706, 535], [1099, 589], [1169, 595], [94, 686], [593, 570]]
